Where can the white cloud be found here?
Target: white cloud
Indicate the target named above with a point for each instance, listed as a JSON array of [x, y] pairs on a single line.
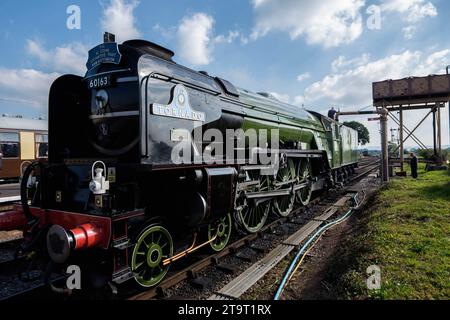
[[323, 22], [244, 40], [299, 100], [26, 86], [257, 3], [34, 48], [67, 58], [232, 35], [167, 33], [194, 36], [408, 32], [352, 88], [196, 40], [435, 62], [411, 10], [118, 18], [342, 63], [303, 76]]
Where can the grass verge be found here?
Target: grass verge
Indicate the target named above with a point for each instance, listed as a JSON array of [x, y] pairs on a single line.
[[406, 233]]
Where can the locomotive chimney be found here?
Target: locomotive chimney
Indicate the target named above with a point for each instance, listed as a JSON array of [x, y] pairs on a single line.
[[109, 37]]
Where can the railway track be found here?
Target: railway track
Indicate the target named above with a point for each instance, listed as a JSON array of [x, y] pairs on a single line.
[[20, 276], [16, 280], [239, 285], [7, 204], [302, 222], [7, 253], [8, 238], [189, 275]]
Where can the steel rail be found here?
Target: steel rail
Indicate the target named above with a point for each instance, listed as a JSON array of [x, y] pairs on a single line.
[[195, 268], [198, 266]]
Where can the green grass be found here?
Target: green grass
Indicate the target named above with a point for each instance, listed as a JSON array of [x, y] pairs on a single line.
[[407, 234]]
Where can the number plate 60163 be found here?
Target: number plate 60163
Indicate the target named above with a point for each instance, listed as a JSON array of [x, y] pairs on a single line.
[[99, 82]]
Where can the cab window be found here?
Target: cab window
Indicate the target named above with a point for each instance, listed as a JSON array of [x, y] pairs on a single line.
[[41, 146], [9, 144]]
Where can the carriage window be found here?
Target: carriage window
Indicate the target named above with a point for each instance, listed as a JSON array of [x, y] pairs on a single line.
[[41, 146], [9, 144]]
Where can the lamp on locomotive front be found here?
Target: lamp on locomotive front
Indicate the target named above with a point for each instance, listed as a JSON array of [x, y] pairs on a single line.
[[99, 185]]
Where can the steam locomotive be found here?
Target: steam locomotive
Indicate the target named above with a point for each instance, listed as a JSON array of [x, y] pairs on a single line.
[[113, 200]]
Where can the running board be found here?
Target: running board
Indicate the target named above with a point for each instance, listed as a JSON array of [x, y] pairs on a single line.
[[276, 193]]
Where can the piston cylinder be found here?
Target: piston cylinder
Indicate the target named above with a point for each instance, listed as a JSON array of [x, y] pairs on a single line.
[[86, 236]]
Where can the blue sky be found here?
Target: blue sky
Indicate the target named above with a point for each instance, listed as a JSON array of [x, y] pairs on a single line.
[[312, 53]]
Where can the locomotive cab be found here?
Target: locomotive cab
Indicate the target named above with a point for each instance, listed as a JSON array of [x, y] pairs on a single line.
[[102, 108], [98, 117]]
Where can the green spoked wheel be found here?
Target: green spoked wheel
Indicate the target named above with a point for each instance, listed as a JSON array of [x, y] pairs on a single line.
[[304, 173], [153, 245], [284, 205], [221, 230], [252, 214]]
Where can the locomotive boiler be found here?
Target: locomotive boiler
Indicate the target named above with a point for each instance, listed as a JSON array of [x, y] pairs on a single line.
[[113, 200]]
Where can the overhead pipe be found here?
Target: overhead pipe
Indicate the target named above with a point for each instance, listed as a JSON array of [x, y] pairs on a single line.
[[355, 113]]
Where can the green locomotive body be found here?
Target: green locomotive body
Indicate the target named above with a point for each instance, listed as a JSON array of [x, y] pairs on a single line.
[[111, 184]]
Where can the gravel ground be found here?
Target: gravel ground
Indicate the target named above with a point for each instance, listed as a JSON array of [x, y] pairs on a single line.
[[215, 279], [308, 283], [7, 236], [11, 284]]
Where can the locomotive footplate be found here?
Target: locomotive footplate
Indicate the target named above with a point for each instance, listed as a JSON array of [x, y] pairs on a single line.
[[302, 153], [276, 193]]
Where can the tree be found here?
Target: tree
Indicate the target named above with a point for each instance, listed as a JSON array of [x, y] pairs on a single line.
[[363, 132], [425, 153]]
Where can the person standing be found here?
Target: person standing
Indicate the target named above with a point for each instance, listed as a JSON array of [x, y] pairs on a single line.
[[332, 113], [413, 162]]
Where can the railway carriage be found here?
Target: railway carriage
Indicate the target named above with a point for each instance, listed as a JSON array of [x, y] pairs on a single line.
[[22, 141], [113, 200]]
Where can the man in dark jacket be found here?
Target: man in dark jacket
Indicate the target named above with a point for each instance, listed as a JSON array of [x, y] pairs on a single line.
[[413, 162], [332, 113]]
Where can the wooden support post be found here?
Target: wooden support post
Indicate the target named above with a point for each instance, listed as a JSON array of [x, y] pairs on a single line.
[[434, 133], [384, 145], [439, 131], [401, 140]]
